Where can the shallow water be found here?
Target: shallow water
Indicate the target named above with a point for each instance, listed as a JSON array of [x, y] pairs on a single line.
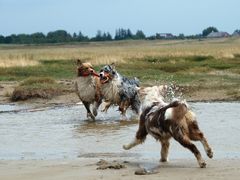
[[64, 132]]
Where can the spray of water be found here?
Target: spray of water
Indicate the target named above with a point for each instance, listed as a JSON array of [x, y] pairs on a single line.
[[174, 92]]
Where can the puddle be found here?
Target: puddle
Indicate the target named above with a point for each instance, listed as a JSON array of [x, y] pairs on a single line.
[[64, 133]]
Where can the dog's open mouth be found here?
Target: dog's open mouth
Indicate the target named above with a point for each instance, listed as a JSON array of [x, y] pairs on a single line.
[[104, 79]]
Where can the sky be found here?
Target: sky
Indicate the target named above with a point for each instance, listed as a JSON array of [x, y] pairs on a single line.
[[88, 16]]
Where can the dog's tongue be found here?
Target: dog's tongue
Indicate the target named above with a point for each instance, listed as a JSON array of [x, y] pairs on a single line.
[[95, 74]]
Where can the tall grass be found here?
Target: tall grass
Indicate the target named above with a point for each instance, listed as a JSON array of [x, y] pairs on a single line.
[[122, 51]]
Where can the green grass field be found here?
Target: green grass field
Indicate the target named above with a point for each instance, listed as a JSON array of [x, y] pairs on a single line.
[[209, 64]]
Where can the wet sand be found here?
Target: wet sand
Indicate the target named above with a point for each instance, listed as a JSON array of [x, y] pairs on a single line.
[[86, 169]]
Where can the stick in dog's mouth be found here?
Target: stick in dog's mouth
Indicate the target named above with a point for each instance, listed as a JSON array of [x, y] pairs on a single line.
[[104, 79], [95, 74]]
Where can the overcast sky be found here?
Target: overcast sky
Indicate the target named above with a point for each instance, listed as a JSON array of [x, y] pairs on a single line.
[[151, 16]]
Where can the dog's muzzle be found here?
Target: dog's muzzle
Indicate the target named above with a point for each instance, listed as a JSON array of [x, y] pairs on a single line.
[[103, 79]]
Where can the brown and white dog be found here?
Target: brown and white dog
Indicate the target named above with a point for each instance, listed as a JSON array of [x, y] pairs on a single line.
[[119, 90], [87, 87], [163, 121]]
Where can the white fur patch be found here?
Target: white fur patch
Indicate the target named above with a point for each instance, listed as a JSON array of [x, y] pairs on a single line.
[[85, 87], [168, 114]]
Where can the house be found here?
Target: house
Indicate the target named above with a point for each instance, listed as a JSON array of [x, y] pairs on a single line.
[[219, 34], [164, 36]]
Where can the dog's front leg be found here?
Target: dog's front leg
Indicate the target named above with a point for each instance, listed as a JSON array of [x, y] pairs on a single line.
[[89, 114], [96, 105]]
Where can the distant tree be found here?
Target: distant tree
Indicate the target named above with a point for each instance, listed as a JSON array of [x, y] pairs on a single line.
[[153, 37], [158, 36], [74, 36], [109, 36], [123, 34], [208, 30], [8, 39], [81, 37], [139, 35], [237, 31], [181, 36], [38, 37], [58, 36], [99, 36], [129, 34], [2, 39]]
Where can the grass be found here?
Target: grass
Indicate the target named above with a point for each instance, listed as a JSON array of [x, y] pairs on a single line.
[[203, 64], [36, 88]]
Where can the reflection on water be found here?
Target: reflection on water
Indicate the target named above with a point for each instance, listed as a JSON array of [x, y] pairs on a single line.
[[64, 132], [103, 127]]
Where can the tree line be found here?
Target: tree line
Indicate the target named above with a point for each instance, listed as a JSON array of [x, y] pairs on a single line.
[[62, 36]]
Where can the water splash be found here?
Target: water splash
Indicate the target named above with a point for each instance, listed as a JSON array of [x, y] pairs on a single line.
[[174, 92]]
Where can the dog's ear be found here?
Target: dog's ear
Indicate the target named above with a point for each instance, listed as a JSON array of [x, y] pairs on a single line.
[[79, 62], [113, 66]]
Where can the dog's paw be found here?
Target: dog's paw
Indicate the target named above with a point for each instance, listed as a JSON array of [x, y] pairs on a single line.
[[90, 116], [210, 153], [202, 164], [163, 160], [95, 112], [124, 117], [126, 147]]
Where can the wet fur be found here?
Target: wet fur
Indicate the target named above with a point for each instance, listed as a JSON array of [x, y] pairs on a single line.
[[164, 121], [120, 91], [88, 90]]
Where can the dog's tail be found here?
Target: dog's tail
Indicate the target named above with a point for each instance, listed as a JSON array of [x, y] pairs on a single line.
[[178, 111], [135, 81]]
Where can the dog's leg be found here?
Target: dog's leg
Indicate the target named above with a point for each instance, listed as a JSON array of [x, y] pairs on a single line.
[[164, 150], [123, 108], [140, 135], [96, 105], [107, 105], [89, 114], [185, 142], [197, 135], [135, 142]]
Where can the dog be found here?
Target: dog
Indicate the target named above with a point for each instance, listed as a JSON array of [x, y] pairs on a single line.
[[87, 87], [165, 120], [119, 90]]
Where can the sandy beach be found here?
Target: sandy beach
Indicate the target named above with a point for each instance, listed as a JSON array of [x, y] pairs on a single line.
[[86, 169]]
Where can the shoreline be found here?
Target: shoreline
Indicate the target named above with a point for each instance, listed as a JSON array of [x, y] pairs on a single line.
[[87, 169]]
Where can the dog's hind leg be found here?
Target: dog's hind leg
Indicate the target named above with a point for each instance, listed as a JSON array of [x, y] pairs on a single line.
[[197, 135], [164, 150], [185, 142], [89, 114], [124, 105], [107, 105]]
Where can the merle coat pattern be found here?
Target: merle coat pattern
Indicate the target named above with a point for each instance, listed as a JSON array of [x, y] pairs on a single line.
[[119, 90], [164, 121]]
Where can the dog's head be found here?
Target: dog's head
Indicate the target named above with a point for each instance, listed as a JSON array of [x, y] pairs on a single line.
[[107, 73], [85, 69]]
